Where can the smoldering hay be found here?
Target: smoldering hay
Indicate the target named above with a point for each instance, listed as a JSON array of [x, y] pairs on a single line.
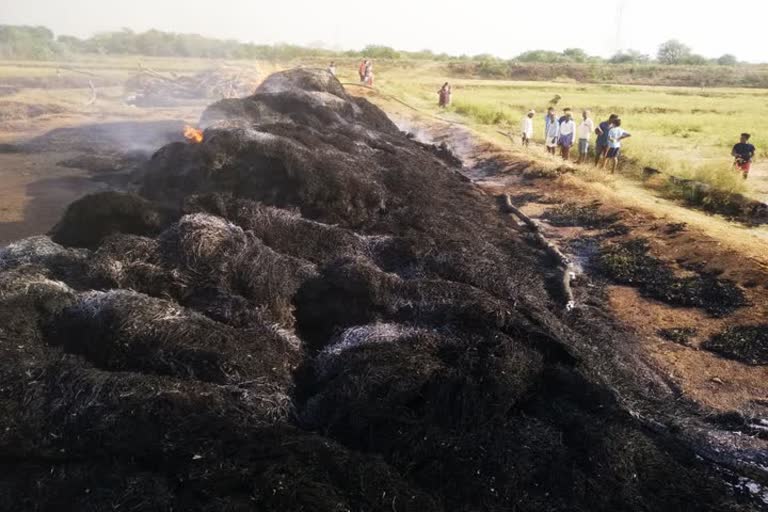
[[310, 311]]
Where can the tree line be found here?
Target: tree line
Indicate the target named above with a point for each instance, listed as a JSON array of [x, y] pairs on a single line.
[[40, 43]]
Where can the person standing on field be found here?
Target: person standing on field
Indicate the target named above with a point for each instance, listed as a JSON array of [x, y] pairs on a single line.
[[548, 119], [615, 136], [743, 152], [567, 134], [368, 73], [601, 144], [442, 96], [361, 70], [553, 132], [586, 128], [527, 128]]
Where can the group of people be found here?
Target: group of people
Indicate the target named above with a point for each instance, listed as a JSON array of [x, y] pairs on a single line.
[[444, 95], [365, 70], [562, 132]]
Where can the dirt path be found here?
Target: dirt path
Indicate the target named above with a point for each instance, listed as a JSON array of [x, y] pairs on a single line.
[[697, 242]]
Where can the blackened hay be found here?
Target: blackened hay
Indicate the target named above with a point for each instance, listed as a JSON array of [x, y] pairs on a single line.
[[310, 311]]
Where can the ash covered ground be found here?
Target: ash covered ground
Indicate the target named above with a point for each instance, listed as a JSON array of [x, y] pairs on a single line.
[[311, 311]]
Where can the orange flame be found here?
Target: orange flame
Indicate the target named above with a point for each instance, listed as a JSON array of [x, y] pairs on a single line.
[[193, 134]]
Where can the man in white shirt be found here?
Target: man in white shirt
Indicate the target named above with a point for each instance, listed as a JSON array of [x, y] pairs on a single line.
[[567, 134], [586, 128], [552, 133], [527, 127]]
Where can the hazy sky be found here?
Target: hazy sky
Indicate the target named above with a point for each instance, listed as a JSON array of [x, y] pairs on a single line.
[[477, 26]]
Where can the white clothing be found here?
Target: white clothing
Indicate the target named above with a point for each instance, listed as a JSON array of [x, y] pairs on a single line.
[[567, 128], [586, 128], [553, 133], [527, 127]]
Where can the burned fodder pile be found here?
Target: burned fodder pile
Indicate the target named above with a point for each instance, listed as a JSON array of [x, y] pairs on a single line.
[[312, 312]]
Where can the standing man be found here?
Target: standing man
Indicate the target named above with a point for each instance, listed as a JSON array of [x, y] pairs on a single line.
[[553, 131], [332, 68], [743, 152], [601, 144], [547, 119], [567, 134], [442, 96], [361, 70], [527, 128], [586, 128], [615, 136]]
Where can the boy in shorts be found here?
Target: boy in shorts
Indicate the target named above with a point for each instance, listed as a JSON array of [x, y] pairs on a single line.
[[743, 152], [601, 144], [615, 136]]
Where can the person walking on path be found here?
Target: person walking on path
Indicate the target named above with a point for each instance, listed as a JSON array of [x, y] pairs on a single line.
[[553, 132], [567, 134], [743, 153], [601, 144], [527, 127], [615, 135], [586, 128]]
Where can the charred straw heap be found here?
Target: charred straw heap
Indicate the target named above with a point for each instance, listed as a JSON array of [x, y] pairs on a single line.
[[310, 311]]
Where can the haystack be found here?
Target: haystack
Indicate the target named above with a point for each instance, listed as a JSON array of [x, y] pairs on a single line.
[[312, 311]]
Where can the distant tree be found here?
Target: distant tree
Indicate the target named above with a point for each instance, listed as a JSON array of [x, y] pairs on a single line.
[[696, 60], [422, 54], [24, 42], [673, 52], [575, 55], [728, 60], [540, 56], [380, 52], [629, 57]]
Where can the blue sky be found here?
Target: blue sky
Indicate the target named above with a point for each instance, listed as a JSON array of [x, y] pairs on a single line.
[[480, 26]]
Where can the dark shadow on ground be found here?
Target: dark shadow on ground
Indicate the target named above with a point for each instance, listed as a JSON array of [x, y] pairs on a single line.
[[49, 198]]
